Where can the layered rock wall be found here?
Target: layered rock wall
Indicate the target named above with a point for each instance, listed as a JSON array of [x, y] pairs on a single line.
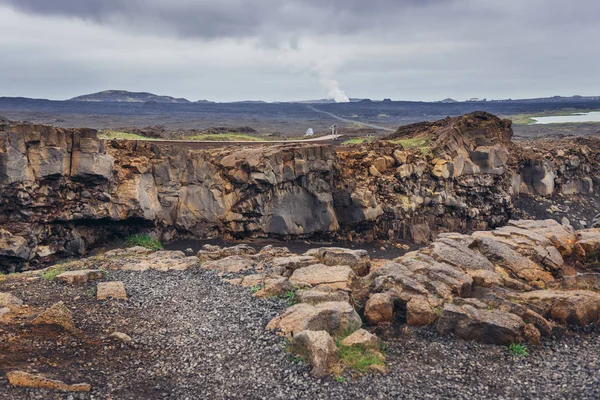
[[63, 191]]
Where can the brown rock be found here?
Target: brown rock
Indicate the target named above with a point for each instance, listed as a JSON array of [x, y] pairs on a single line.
[[374, 171], [291, 263], [379, 308], [26, 380], [577, 307], [363, 338], [420, 313], [321, 295], [420, 233], [320, 275], [486, 326], [80, 277], [380, 164], [10, 301], [58, 315], [275, 287], [318, 348], [358, 260], [532, 334], [232, 264], [333, 317], [114, 290]]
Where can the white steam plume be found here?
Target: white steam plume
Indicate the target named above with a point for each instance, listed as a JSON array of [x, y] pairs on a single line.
[[319, 60], [333, 89]]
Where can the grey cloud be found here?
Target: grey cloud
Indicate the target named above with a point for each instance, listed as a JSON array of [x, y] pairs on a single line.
[[231, 18]]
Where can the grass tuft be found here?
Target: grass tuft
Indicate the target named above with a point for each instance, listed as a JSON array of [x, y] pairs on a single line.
[[255, 289], [144, 240], [290, 297], [51, 274], [518, 349], [359, 358], [420, 143]]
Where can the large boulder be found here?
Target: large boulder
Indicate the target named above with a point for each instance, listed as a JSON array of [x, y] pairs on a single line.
[[334, 317], [287, 265], [14, 246], [455, 253], [577, 307], [486, 326], [321, 276], [358, 260], [419, 312], [321, 295], [209, 252], [317, 348], [379, 308], [232, 264]]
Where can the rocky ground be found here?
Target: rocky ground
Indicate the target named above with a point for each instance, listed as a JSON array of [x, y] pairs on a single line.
[[195, 335], [237, 323]]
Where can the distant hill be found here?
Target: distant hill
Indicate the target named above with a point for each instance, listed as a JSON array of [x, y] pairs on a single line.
[[123, 96]]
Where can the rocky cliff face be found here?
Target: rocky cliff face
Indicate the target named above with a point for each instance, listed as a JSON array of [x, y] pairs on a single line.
[[63, 191]]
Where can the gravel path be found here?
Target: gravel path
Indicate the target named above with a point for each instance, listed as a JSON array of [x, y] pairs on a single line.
[[197, 337]]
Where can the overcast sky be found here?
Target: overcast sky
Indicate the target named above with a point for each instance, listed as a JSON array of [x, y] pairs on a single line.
[[281, 50]]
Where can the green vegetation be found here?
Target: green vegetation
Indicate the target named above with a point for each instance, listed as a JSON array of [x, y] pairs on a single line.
[[290, 297], [226, 137], [421, 143], [359, 140], [51, 274], [144, 240], [359, 358], [340, 379], [108, 134], [255, 289], [518, 350]]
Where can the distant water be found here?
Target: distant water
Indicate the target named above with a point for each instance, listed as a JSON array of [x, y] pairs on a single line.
[[593, 116]]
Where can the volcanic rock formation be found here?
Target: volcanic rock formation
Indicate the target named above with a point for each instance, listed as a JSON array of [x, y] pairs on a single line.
[[63, 191]]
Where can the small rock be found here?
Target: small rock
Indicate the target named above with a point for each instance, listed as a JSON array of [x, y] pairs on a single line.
[[4, 311], [26, 380], [122, 337], [80, 277], [362, 337], [10, 301], [114, 290], [318, 348]]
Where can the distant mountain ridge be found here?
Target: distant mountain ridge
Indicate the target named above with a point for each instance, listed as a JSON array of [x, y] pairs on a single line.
[[123, 96]]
